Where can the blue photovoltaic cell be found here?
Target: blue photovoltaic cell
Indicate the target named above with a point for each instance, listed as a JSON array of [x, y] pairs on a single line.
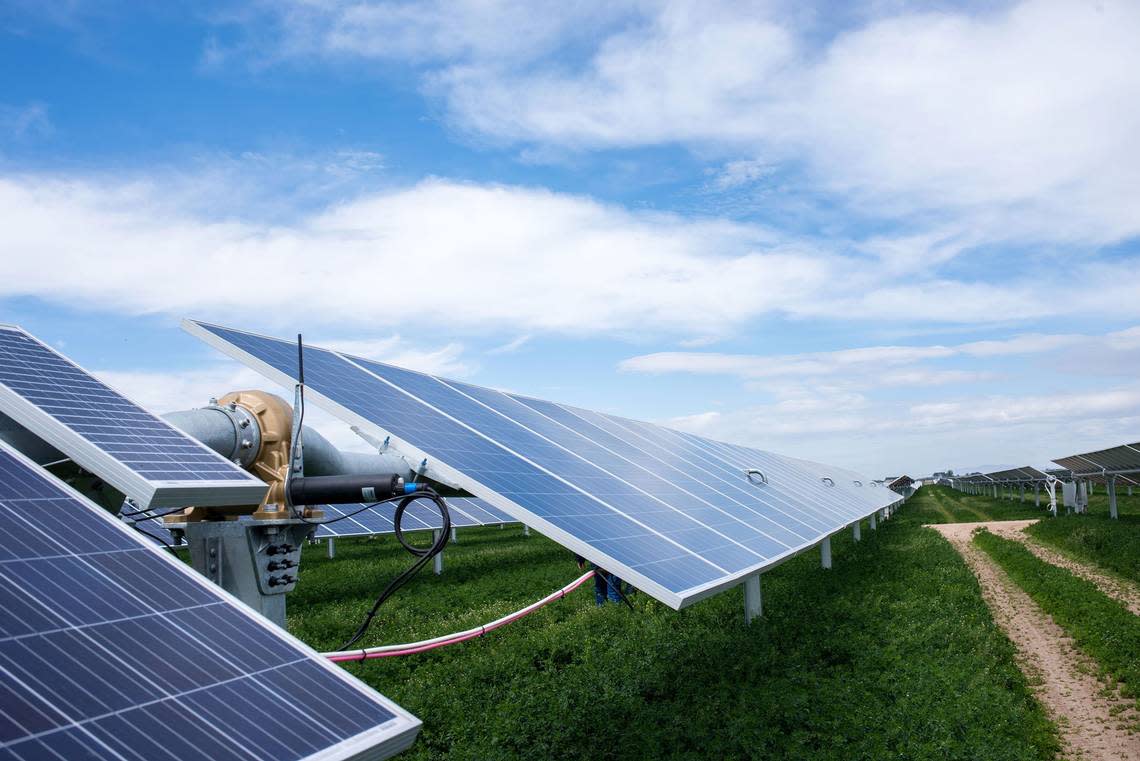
[[88, 409], [670, 510], [110, 649], [420, 515]]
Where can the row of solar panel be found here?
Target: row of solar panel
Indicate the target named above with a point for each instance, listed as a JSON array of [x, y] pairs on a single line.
[[670, 511], [112, 649], [138, 453], [374, 520]]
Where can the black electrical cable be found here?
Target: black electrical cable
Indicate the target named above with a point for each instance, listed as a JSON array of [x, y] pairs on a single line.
[[423, 555], [155, 537], [149, 513]]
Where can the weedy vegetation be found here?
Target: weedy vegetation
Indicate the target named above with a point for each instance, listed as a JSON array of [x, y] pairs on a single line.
[[891, 654]]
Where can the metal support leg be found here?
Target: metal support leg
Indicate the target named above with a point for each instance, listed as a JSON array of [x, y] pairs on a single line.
[[1082, 497], [1023, 492], [1037, 495], [454, 535], [1112, 497], [874, 521], [825, 552], [753, 602], [332, 548], [855, 531], [437, 561], [526, 530]]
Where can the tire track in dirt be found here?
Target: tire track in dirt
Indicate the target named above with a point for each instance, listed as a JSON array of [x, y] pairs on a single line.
[[1092, 725], [1118, 589]]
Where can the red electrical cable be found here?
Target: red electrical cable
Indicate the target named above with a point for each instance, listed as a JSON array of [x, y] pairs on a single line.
[[410, 648]]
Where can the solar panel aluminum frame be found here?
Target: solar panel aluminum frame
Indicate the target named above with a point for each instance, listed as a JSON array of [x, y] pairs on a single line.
[[145, 492], [375, 744], [675, 600]]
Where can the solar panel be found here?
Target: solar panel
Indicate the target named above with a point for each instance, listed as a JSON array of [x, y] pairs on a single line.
[[419, 516], [139, 454], [1114, 460], [112, 649], [1017, 475], [671, 512], [370, 520]]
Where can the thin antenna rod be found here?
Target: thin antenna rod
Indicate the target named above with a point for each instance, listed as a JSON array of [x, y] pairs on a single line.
[[300, 361]]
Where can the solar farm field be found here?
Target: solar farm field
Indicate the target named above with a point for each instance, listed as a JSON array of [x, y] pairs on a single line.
[[891, 654], [1112, 545]]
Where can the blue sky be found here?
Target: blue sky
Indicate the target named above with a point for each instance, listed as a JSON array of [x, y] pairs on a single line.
[[898, 237]]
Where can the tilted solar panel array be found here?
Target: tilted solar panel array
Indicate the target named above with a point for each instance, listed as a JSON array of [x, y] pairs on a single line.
[[111, 649], [138, 453], [671, 512], [374, 520], [419, 516]]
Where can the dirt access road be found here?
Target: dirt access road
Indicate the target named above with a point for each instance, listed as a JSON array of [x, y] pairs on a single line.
[[1093, 726]]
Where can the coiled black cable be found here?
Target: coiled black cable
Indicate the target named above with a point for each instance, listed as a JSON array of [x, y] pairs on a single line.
[[423, 555]]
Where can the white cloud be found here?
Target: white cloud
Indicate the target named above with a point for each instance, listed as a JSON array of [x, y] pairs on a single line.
[[476, 259], [1015, 122]]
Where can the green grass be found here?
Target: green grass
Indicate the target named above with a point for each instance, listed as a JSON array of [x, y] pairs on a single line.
[[1126, 505], [892, 654], [1113, 545], [1101, 626], [941, 504]]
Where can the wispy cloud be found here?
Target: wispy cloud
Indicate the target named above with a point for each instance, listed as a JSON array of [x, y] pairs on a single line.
[[446, 360], [883, 361], [21, 122], [511, 346]]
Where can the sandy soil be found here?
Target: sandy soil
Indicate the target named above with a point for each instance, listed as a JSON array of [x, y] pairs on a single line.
[[1092, 725]]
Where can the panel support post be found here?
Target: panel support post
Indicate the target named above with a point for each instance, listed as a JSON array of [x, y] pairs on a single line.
[[1023, 492], [1037, 495], [1112, 497], [526, 530], [437, 561], [454, 535], [856, 531], [332, 548], [753, 602], [874, 521], [1082, 497], [825, 552]]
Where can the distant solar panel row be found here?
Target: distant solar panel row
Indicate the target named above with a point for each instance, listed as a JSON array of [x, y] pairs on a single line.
[[364, 520], [136, 452], [111, 649], [671, 512], [419, 516]]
